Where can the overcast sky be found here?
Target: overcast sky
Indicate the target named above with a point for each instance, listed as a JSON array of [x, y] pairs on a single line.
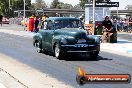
[[122, 3]]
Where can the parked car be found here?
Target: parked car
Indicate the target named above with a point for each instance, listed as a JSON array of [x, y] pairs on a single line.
[[62, 35], [5, 20]]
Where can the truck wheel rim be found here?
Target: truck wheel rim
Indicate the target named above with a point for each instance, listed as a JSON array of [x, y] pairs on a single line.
[[57, 51], [37, 44]]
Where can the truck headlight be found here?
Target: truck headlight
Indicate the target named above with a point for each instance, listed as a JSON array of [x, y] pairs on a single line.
[[63, 41]]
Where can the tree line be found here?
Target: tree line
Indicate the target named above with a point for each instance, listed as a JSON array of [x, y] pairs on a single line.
[[8, 9], [39, 4]]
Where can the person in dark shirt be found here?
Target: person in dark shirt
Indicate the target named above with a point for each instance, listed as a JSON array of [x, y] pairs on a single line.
[[109, 32], [1, 17], [107, 24], [36, 24], [130, 25]]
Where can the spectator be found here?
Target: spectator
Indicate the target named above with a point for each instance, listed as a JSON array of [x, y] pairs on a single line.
[[107, 24], [125, 24], [44, 17], [130, 24], [121, 24], [36, 24], [109, 33], [114, 23], [98, 29]]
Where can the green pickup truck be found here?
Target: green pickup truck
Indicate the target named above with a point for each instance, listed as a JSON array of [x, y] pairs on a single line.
[[62, 35]]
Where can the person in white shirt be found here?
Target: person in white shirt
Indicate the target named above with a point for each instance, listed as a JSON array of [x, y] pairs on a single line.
[[125, 24]]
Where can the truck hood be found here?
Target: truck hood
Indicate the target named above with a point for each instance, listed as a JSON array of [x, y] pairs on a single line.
[[72, 32]]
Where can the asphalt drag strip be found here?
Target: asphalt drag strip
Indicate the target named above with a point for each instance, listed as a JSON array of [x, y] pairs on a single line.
[[21, 49]]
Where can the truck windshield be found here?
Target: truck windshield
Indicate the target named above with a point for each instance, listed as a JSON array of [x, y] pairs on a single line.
[[68, 24]]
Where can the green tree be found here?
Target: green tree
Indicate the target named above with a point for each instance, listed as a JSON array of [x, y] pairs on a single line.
[[55, 4], [65, 6], [28, 4], [14, 5], [82, 3], [77, 7], [19, 4], [4, 7], [40, 4], [1, 6]]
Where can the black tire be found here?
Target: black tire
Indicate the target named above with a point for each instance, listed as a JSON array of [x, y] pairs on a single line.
[[57, 52], [94, 55], [38, 45]]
